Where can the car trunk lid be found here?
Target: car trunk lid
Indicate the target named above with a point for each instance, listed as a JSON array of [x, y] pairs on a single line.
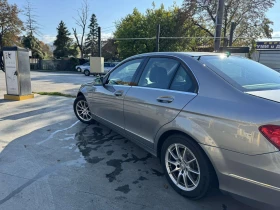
[[273, 95]]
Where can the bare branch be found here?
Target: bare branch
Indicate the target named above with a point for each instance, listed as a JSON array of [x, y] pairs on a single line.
[[81, 21], [205, 29]]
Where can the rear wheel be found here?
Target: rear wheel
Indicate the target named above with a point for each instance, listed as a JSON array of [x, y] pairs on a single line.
[[186, 167], [79, 69], [82, 111], [86, 72]]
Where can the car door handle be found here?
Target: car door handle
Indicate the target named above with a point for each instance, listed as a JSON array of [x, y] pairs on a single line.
[[165, 99], [118, 93]]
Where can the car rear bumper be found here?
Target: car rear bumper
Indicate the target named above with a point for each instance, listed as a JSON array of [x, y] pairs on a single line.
[[255, 177]]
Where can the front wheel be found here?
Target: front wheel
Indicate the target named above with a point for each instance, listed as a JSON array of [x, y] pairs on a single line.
[[82, 111], [186, 167], [87, 72]]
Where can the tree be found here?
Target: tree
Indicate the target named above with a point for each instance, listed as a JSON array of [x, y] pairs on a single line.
[[32, 27], [10, 27], [173, 24], [31, 42], [249, 17], [110, 51], [63, 43], [46, 50], [82, 23], [92, 37]]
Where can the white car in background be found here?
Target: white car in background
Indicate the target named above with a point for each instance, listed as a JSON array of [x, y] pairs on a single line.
[[85, 68]]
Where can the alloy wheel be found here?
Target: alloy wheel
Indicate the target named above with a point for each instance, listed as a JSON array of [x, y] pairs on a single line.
[[83, 111], [182, 167]]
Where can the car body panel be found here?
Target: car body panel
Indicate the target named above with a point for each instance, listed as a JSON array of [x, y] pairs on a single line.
[[106, 105], [144, 114], [254, 177]]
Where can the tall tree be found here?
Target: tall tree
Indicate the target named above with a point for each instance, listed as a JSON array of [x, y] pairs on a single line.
[[138, 25], [10, 26], [31, 24], [249, 17], [81, 22], [32, 27], [63, 43], [92, 37], [31, 42]]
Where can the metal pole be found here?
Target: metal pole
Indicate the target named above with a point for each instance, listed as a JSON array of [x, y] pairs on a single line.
[[219, 22], [99, 41], [157, 38], [232, 27]]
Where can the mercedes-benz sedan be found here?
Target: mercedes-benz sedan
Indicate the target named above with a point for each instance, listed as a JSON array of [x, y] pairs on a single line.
[[210, 118]]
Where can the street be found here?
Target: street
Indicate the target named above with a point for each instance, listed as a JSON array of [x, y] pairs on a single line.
[[50, 160]]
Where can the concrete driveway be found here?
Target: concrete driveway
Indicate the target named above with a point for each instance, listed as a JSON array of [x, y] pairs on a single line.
[[49, 160], [67, 83]]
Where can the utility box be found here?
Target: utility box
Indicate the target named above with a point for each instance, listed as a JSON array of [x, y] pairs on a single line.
[[17, 68], [97, 65]]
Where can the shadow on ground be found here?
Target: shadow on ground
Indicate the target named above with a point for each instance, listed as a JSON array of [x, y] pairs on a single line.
[[75, 166]]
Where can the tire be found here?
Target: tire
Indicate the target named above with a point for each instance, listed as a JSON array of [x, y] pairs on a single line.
[[87, 72], [201, 183], [79, 101], [79, 69]]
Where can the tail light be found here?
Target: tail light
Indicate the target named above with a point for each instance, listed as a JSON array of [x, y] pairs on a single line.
[[272, 133]]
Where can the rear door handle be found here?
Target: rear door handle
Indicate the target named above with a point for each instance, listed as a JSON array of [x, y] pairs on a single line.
[[165, 99], [118, 93]]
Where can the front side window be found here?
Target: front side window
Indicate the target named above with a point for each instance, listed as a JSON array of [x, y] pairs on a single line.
[[158, 73], [123, 75], [243, 73]]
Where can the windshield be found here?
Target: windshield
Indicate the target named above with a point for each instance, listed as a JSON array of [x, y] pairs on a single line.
[[243, 72]]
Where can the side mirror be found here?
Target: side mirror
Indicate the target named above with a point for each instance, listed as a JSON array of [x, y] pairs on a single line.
[[99, 81]]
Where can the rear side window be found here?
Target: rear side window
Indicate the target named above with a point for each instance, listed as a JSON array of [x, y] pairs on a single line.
[[183, 81], [158, 73]]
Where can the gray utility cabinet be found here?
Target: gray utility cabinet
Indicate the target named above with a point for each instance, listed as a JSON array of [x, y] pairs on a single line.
[[17, 68]]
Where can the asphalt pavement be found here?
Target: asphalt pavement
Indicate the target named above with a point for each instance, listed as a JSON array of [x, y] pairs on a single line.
[[50, 160]]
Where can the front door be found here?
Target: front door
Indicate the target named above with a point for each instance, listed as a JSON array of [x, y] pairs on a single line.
[[164, 88], [107, 100]]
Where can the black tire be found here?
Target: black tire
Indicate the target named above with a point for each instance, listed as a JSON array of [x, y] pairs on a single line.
[[207, 175], [87, 72], [79, 69], [81, 98]]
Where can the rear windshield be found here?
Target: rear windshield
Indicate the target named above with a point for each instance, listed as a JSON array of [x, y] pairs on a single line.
[[244, 73]]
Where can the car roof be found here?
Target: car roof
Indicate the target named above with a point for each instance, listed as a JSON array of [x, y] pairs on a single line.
[[190, 54]]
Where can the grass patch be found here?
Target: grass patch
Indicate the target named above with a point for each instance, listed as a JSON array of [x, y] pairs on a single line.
[[55, 94]]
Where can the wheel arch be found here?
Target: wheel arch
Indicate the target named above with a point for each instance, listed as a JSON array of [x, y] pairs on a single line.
[[80, 94], [168, 133]]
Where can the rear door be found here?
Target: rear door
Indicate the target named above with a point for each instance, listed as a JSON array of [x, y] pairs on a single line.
[[107, 100], [164, 88]]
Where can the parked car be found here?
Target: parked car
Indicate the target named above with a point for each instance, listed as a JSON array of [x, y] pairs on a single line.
[[85, 68], [210, 118]]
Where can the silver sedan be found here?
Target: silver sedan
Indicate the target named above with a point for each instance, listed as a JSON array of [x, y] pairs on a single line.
[[212, 119]]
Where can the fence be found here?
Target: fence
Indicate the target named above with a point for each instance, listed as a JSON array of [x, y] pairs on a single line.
[[56, 65]]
